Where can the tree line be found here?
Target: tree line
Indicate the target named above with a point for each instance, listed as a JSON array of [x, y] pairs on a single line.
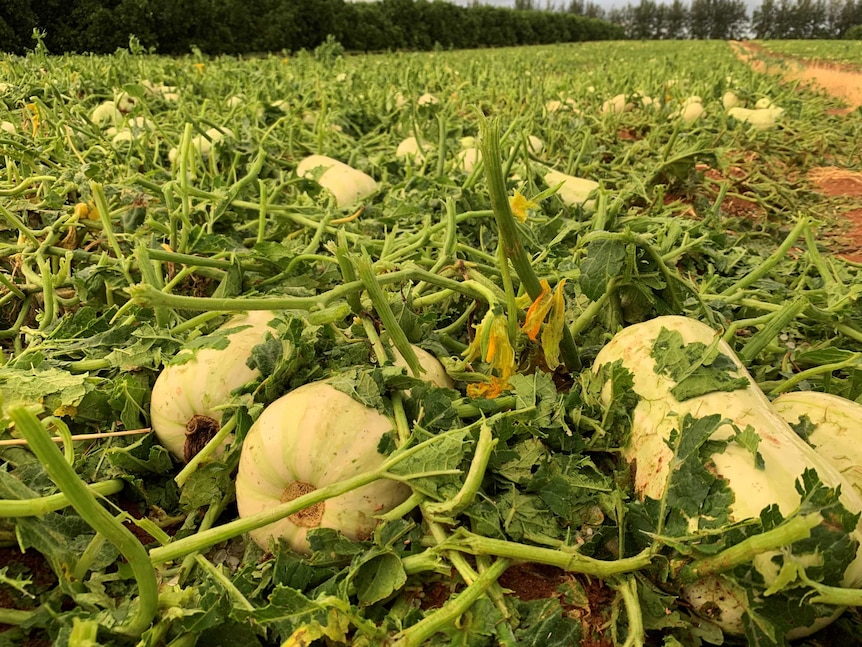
[[255, 26], [729, 19]]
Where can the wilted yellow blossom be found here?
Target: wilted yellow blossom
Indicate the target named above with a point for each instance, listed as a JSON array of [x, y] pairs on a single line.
[[34, 120], [493, 346], [537, 312], [552, 333]]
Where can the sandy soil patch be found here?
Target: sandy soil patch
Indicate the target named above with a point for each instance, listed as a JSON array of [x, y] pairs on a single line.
[[841, 82]]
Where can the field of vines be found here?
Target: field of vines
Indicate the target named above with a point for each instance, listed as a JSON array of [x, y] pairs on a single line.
[[843, 52], [305, 472]]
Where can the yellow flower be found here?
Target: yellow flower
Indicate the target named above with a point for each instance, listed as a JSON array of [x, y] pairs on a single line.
[[34, 120], [488, 390], [537, 312], [199, 67], [520, 206], [500, 354], [493, 346], [85, 211], [552, 335]]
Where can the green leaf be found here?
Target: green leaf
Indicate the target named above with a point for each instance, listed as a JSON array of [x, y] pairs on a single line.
[[58, 391], [330, 547], [566, 483], [361, 385], [432, 407], [804, 427], [605, 260], [206, 484], [19, 584], [694, 491], [130, 397], [142, 457], [530, 453], [750, 439], [446, 453], [525, 516], [476, 625], [544, 625], [697, 369], [289, 611], [538, 392], [231, 284], [377, 577], [229, 634]]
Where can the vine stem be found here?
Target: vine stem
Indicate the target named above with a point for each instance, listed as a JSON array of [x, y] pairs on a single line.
[[44, 504], [77, 437], [416, 634], [378, 298], [792, 530], [445, 511], [208, 450], [468, 542], [628, 591], [84, 501], [147, 295], [766, 266]]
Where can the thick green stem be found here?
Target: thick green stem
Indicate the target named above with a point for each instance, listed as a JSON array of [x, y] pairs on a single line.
[[347, 271], [444, 255], [832, 595], [148, 274], [107, 228], [777, 322], [794, 529], [472, 483], [469, 542], [426, 561], [44, 504], [25, 184], [592, 310], [207, 538], [213, 512], [417, 634], [14, 616], [628, 591], [94, 514], [146, 295], [766, 266], [853, 360], [208, 450], [508, 231], [381, 305], [18, 224], [7, 282], [402, 510]]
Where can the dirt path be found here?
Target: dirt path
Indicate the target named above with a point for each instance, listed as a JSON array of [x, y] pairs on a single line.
[[841, 82], [842, 185]]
